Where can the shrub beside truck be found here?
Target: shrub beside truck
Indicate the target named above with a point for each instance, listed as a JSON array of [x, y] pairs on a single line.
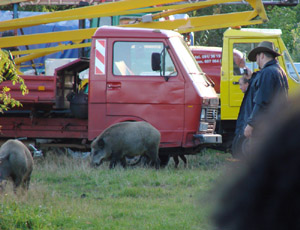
[[134, 75], [224, 65]]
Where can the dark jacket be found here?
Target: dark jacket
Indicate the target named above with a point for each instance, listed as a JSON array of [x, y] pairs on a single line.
[[246, 107], [270, 82], [264, 85]]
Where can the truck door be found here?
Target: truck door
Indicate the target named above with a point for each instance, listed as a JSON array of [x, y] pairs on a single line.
[[135, 91]]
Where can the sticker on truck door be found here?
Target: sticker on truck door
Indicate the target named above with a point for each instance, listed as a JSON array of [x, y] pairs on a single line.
[[100, 56]]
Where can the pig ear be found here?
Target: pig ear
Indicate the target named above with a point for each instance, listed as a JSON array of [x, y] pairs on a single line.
[[98, 143]]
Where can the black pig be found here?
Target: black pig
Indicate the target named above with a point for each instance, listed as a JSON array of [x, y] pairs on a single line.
[[126, 139]]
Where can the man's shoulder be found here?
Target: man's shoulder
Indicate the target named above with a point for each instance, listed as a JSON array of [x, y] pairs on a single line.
[[271, 68]]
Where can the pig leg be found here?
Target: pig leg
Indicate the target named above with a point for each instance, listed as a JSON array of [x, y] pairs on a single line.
[[123, 162], [115, 158], [145, 160], [157, 163], [153, 155], [16, 182], [4, 176], [176, 160], [26, 184], [183, 158], [112, 164]]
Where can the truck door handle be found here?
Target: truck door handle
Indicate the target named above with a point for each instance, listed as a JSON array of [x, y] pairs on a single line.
[[114, 85], [235, 82]]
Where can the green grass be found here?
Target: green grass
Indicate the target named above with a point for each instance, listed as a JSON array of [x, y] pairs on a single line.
[[66, 193]]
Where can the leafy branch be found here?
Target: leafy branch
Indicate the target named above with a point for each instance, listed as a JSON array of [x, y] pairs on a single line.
[[8, 72]]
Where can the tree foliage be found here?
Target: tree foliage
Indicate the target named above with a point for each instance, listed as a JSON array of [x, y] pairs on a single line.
[[215, 37], [288, 20], [8, 73], [7, 67], [285, 18], [38, 8]]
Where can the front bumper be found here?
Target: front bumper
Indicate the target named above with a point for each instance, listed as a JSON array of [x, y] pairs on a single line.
[[209, 138]]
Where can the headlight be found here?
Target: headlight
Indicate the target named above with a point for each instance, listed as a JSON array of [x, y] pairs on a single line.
[[203, 126], [203, 114], [214, 101], [210, 101]]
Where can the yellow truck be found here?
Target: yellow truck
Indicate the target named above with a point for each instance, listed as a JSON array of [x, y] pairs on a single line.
[[224, 66], [242, 41]]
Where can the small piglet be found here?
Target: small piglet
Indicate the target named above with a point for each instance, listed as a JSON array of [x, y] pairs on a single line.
[[16, 164]]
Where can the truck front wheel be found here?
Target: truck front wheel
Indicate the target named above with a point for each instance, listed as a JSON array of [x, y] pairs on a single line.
[[131, 161]]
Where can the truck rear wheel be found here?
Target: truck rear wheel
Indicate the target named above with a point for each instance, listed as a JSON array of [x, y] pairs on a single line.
[[164, 159]]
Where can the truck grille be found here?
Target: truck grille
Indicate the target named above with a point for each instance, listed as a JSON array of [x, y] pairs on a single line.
[[208, 121], [211, 114], [211, 127]]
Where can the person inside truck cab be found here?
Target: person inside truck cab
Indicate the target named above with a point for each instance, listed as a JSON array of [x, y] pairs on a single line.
[[271, 81], [238, 62]]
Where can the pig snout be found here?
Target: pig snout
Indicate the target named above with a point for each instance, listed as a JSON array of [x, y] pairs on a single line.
[[97, 158]]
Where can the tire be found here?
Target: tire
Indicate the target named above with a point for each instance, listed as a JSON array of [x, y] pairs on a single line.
[[164, 159], [132, 161]]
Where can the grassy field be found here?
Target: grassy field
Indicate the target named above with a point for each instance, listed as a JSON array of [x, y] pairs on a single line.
[[65, 193]]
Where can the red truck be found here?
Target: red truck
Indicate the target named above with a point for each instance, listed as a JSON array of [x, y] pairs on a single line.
[[210, 60], [134, 75]]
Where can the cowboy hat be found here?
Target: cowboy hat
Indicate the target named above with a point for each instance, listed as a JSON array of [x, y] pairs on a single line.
[[264, 46]]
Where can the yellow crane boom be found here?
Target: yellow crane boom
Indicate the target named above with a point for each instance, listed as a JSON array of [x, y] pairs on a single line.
[[126, 7], [108, 9]]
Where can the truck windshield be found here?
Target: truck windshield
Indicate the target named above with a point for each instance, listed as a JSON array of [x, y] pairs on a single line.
[[291, 68], [185, 56]]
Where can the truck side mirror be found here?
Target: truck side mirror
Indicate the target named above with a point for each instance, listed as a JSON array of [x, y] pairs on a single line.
[[155, 61]]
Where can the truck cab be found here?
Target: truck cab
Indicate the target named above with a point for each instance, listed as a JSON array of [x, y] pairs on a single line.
[[243, 41], [224, 66], [148, 74]]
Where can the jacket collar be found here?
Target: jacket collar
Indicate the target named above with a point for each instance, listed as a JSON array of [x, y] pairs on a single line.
[[272, 62]]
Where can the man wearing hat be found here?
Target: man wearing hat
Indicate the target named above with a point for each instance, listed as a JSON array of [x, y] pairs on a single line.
[[269, 82], [264, 85]]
